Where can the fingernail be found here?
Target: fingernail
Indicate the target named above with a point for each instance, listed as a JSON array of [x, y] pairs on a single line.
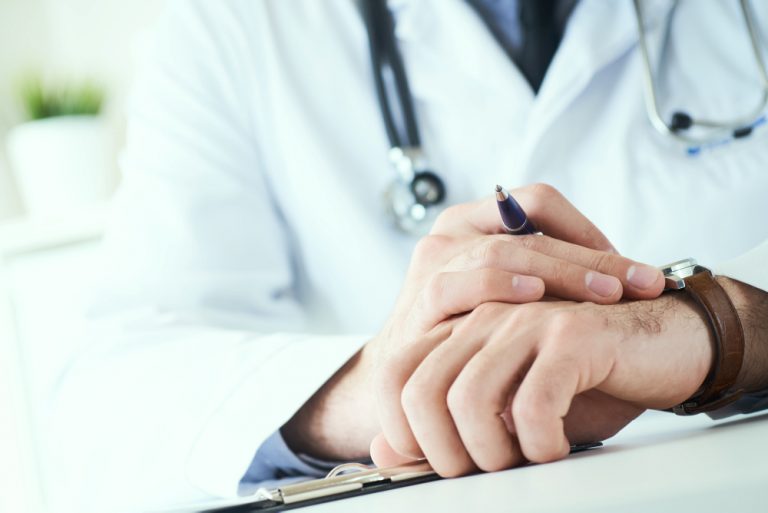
[[642, 276], [602, 284], [526, 284]]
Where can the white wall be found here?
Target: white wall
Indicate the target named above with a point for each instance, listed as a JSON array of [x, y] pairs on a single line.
[[64, 40], [22, 44], [67, 40]]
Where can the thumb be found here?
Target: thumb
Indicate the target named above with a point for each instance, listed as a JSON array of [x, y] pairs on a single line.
[[383, 455]]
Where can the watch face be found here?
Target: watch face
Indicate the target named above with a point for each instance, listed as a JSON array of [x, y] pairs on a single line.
[[679, 267], [676, 272]]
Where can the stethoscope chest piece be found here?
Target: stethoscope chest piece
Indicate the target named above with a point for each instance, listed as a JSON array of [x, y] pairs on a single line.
[[416, 196]]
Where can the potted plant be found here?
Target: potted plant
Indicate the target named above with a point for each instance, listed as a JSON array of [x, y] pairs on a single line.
[[61, 155]]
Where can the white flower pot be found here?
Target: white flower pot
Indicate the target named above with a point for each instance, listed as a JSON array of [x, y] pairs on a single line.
[[61, 164], [9, 201]]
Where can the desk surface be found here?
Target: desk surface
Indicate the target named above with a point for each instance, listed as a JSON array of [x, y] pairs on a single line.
[[659, 463]]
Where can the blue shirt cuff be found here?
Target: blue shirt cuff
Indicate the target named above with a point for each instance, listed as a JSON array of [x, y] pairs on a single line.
[[749, 403], [275, 464]]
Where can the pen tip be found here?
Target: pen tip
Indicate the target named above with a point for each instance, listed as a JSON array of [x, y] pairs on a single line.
[[498, 188]]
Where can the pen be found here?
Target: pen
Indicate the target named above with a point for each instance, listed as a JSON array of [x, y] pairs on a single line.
[[512, 215]]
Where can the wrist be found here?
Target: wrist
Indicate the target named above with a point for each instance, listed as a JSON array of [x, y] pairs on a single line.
[[697, 340], [720, 385], [667, 351], [339, 420], [752, 307]]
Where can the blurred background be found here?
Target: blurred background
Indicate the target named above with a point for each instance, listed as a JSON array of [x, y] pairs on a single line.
[[66, 68]]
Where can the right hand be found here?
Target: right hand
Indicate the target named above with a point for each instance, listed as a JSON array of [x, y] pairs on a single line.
[[468, 260]]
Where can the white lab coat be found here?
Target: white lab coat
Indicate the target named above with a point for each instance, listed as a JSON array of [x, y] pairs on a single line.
[[249, 256]]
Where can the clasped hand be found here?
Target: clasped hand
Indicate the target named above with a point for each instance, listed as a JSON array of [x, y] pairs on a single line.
[[474, 371]]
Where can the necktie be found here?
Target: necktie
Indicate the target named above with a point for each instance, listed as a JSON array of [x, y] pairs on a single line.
[[541, 36]]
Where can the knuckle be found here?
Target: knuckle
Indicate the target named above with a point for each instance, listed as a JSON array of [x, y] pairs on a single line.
[[487, 282], [414, 396], [562, 325], [481, 313], [458, 400], [489, 253], [419, 394], [544, 192], [560, 271], [448, 216], [605, 262], [430, 246], [521, 315], [389, 376], [532, 242], [591, 233], [526, 409], [540, 197], [435, 292], [465, 399]]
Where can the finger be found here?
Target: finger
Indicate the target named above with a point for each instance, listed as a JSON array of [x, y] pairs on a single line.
[[557, 217], [383, 455], [479, 397], [390, 379], [545, 205], [562, 279], [564, 368], [541, 403], [425, 398], [453, 293], [639, 281]]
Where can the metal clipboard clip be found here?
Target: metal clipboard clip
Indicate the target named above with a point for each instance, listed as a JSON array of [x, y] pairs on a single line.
[[347, 479], [352, 479]]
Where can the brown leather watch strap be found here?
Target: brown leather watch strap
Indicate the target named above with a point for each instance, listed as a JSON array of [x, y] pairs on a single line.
[[728, 357]]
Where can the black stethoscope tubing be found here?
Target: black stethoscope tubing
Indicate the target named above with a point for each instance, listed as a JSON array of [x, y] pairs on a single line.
[[387, 62], [417, 193]]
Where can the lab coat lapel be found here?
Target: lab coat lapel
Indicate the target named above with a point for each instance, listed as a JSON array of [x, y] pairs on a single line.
[[598, 33], [454, 54]]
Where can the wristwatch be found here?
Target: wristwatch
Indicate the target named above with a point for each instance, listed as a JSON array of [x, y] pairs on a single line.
[[686, 276]]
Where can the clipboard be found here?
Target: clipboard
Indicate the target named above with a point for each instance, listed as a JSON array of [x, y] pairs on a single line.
[[345, 481]]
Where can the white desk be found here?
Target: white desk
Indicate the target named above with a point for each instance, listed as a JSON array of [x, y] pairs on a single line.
[[662, 463]]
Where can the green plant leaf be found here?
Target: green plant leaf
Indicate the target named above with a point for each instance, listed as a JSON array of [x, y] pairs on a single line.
[[41, 101]]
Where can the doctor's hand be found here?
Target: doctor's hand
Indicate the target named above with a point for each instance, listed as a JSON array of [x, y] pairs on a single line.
[[507, 384], [468, 260], [465, 262]]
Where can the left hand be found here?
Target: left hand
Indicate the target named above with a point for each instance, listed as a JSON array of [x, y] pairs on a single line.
[[509, 383]]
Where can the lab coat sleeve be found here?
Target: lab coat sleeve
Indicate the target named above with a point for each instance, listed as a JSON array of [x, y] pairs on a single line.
[[750, 268], [196, 353]]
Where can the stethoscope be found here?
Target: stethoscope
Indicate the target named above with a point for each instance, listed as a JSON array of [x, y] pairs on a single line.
[[713, 133], [417, 194]]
